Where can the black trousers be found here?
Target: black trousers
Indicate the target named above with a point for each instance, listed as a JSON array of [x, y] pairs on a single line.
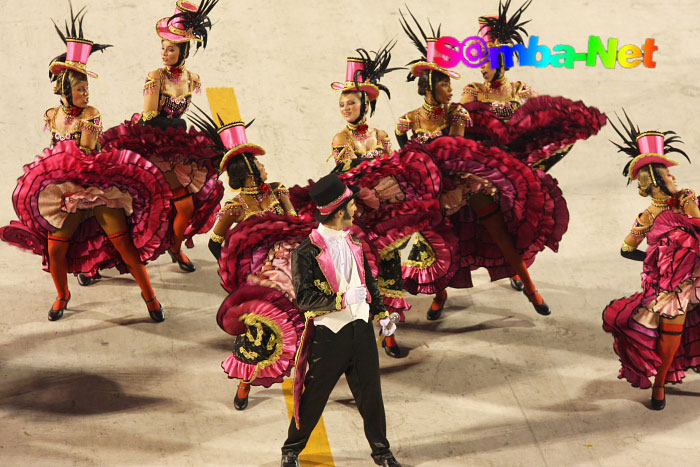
[[353, 351]]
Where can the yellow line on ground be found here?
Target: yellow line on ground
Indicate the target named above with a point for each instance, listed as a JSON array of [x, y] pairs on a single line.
[[318, 451], [222, 101]]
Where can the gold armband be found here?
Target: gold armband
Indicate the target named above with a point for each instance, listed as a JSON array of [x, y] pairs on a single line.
[[151, 87], [217, 238]]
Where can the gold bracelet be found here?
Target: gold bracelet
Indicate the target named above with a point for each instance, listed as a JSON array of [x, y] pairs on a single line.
[[627, 247], [146, 116], [217, 238]]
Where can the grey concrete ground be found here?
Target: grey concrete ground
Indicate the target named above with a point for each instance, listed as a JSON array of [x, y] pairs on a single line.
[[491, 384]]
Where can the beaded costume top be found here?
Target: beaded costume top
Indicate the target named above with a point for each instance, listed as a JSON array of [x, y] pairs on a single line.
[[430, 121], [267, 196], [169, 105], [503, 97], [356, 137], [78, 125]]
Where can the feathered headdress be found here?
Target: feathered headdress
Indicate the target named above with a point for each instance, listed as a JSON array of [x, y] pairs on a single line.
[[78, 49], [500, 30], [189, 22], [228, 138], [364, 72], [648, 147], [426, 46]]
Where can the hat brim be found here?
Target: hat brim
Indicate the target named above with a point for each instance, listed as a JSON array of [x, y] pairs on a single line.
[[645, 159], [321, 218], [369, 88], [250, 148], [421, 67], [57, 67], [164, 32]]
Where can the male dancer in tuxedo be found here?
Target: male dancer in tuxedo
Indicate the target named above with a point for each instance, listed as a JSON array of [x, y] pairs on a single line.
[[337, 293]]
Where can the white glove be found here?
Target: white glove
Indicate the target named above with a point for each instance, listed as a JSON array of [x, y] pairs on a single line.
[[388, 326], [356, 295]]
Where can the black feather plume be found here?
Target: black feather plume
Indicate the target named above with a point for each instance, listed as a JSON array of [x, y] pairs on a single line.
[[376, 65], [206, 124], [419, 41], [507, 30], [74, 31], [629, 133], [198, 23]]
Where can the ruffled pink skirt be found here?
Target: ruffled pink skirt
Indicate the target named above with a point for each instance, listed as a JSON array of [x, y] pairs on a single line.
[[671, 287], [188, 154], [268, 329], [64, 180], [543, 127]]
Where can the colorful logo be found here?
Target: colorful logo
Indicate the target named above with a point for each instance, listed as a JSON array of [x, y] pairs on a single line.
[[474, 52]]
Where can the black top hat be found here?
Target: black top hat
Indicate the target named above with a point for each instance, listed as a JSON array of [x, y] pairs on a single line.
[[330, 195]]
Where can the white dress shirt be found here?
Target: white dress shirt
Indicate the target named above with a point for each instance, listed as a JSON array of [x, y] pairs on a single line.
[[348, 276]]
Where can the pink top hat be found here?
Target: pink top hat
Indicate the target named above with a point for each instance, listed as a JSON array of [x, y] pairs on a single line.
[[354, 66], [651, 148], [234, 138], [429, 64], [171, 28], [485, 30], [77, 54]]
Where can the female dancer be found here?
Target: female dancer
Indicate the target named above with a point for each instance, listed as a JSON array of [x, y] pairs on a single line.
[[356, 143], [259, 311], [183, 157], [539, 130], [650, 326], [436, 117], [80, 207]]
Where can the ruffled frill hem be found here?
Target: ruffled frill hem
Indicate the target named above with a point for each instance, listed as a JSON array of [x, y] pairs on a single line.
[[543, 127], [254, 303], [252, 239], [189, 154], [670, 288], [90, 249], [532, 205]]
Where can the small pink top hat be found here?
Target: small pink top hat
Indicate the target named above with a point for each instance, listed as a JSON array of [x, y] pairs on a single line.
[[354, 70], [77, 54], [172, 28], [485, 30], [651, 149], [234, 138], [429, 64]]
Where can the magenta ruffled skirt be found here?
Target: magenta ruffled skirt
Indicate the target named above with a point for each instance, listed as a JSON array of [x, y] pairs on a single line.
[[543, 127], [268, 329], [188, 154], [531, 202], [64, 179], [670, 287]]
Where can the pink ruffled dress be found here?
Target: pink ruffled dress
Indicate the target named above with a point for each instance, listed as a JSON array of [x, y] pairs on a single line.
[[65, 180], [190, 155], [670, 287]]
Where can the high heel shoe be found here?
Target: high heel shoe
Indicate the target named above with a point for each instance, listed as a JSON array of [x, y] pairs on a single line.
[[435, 313], [87, 280], [391, 350], [186, 266], [156, 315], [517, 284], [240, 402], [55, 315], [542, 308], [657, 404]]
